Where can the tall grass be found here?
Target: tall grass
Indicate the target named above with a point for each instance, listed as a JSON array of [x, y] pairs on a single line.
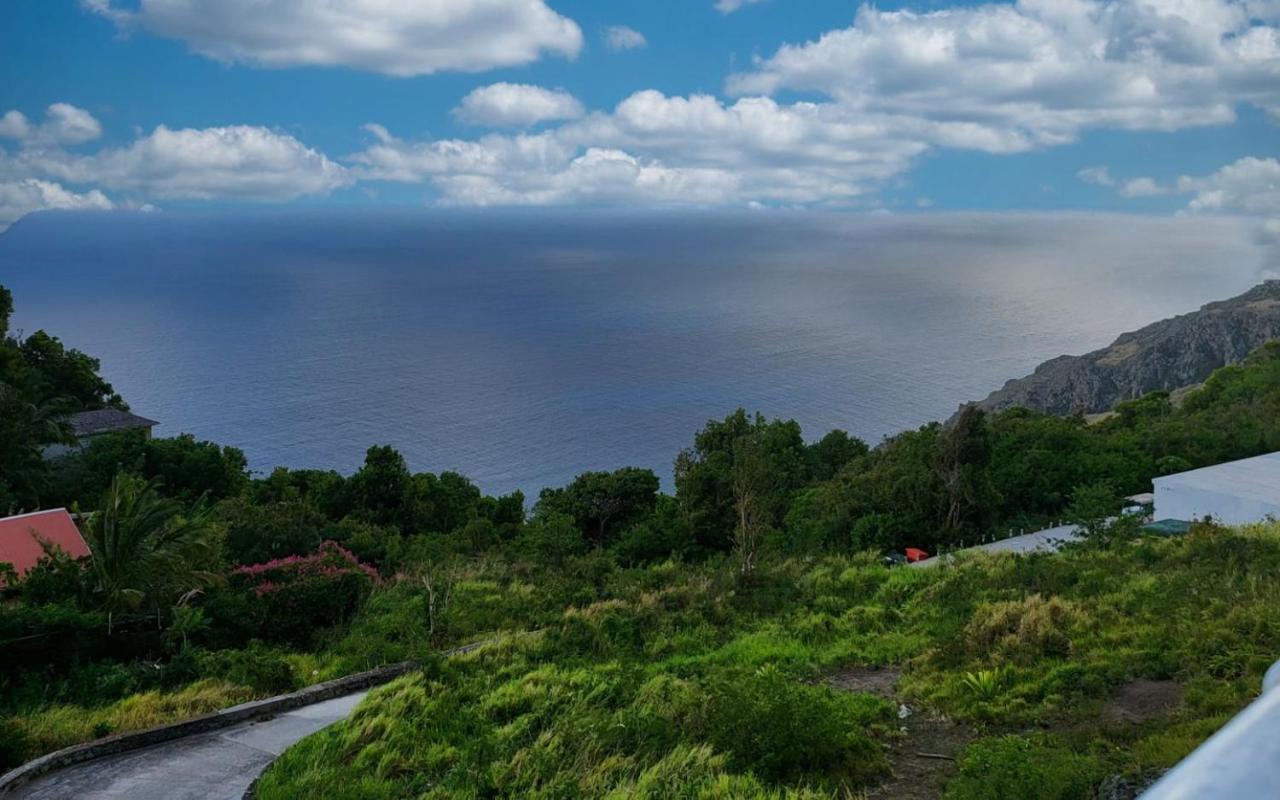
[[678, 681]]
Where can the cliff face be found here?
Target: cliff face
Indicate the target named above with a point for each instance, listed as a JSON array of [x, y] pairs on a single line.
[[1168, 355]]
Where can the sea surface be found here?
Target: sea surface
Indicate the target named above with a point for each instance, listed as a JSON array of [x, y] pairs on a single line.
[[523, 349]]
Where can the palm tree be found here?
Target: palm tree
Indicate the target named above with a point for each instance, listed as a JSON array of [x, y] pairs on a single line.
[[146, 551]]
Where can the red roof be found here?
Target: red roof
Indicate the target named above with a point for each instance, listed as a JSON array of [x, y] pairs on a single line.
[[20, 537]]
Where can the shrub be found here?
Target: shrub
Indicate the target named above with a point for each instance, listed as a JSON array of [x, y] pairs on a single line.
[[779, 728], [1023, 768], [260, 668], [291, 599], [551, 538], [258, 532], [1022, 631], [14, 746]]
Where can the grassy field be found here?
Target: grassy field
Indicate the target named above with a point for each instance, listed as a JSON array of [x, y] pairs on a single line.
[[1043, 673]]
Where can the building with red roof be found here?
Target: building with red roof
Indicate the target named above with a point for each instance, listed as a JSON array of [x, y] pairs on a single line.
[[21, 538]]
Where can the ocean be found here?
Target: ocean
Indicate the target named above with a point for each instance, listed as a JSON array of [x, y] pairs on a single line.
[[521, 349]]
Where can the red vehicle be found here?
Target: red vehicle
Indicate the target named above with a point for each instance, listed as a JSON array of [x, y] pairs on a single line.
[[915, 554]]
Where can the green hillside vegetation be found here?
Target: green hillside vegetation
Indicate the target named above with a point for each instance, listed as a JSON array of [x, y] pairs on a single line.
[[673, 681], [644, 643]]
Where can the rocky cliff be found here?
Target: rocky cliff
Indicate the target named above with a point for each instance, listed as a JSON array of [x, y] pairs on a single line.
[[1168, 354]]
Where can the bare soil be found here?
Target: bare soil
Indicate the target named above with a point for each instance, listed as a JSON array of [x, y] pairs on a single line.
[[922, 759], [1142, 700]]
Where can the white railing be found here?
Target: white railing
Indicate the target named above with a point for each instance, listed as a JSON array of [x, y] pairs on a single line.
[[1239, 762]]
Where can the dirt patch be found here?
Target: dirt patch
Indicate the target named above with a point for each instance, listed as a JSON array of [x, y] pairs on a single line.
[[871, 680], [922, 758], [1142, 700]]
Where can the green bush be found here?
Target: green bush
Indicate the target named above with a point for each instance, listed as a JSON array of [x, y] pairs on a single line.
[[291, 600], [14, 745], [258, 667], [1023, 768], [781, 729]]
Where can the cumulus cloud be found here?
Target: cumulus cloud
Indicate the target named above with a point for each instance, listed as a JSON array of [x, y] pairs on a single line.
[[730, 6], [620, 37], [876, 96], [63, 124], [1038, 72], [752, 149], [1247, 186], [19, 198], [995, 77], [239, 161], [1142, 187], [1098, 176], [393, 38], [517, 105]]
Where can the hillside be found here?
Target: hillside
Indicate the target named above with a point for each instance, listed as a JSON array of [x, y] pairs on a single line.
[[1164, 355], [740, 637]]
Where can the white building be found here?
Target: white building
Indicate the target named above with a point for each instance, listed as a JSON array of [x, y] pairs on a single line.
[[1235, 493]]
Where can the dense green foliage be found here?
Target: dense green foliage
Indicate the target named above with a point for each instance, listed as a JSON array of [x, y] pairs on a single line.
[[647, 644], [681, 681]]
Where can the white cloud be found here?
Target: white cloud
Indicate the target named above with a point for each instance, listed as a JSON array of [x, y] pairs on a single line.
[[730, 6], [19, 198], [15, 125], [392, 37], [517, 105], [1038, 72], [1143, 187], [620, 37], [63, 124], [754, 149], [1248, 186], [1099, 176], [997, 78], [237, 161]]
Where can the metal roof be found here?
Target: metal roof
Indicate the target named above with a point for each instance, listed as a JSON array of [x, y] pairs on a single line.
[[104, 420], [20, 538], [1167, 527], [1256, 478]]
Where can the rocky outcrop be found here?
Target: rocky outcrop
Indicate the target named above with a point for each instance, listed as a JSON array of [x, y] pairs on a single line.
[[1168, 355]]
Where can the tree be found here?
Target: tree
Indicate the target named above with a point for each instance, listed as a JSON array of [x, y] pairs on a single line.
[[443, 503], [705, 475], [550, 538], [383, 489], [258, 532], [146, 552], [753, 482], [604, 503], [831, 453], [962, 465], [25, 428], [190, 470], [6, 311], [1091, 507], [66, 374]]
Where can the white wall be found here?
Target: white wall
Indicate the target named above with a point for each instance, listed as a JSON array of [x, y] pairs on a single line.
[[1176, 500]]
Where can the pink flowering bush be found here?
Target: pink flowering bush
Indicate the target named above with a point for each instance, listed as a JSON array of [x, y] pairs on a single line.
[[291, 599]]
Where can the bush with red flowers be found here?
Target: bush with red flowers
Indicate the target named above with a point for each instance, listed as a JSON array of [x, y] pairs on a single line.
[[291, 599]]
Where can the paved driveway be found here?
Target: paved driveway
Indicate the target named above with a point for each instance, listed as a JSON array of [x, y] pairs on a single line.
[[213, 766], [1048, 540]]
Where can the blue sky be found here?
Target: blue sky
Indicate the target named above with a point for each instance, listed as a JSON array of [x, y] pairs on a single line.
[[1151, 106]]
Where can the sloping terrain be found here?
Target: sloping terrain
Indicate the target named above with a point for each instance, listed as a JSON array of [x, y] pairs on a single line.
[[1165, 355]]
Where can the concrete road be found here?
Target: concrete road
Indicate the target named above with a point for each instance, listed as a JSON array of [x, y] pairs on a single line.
[[1047, 540], [213, 766]]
